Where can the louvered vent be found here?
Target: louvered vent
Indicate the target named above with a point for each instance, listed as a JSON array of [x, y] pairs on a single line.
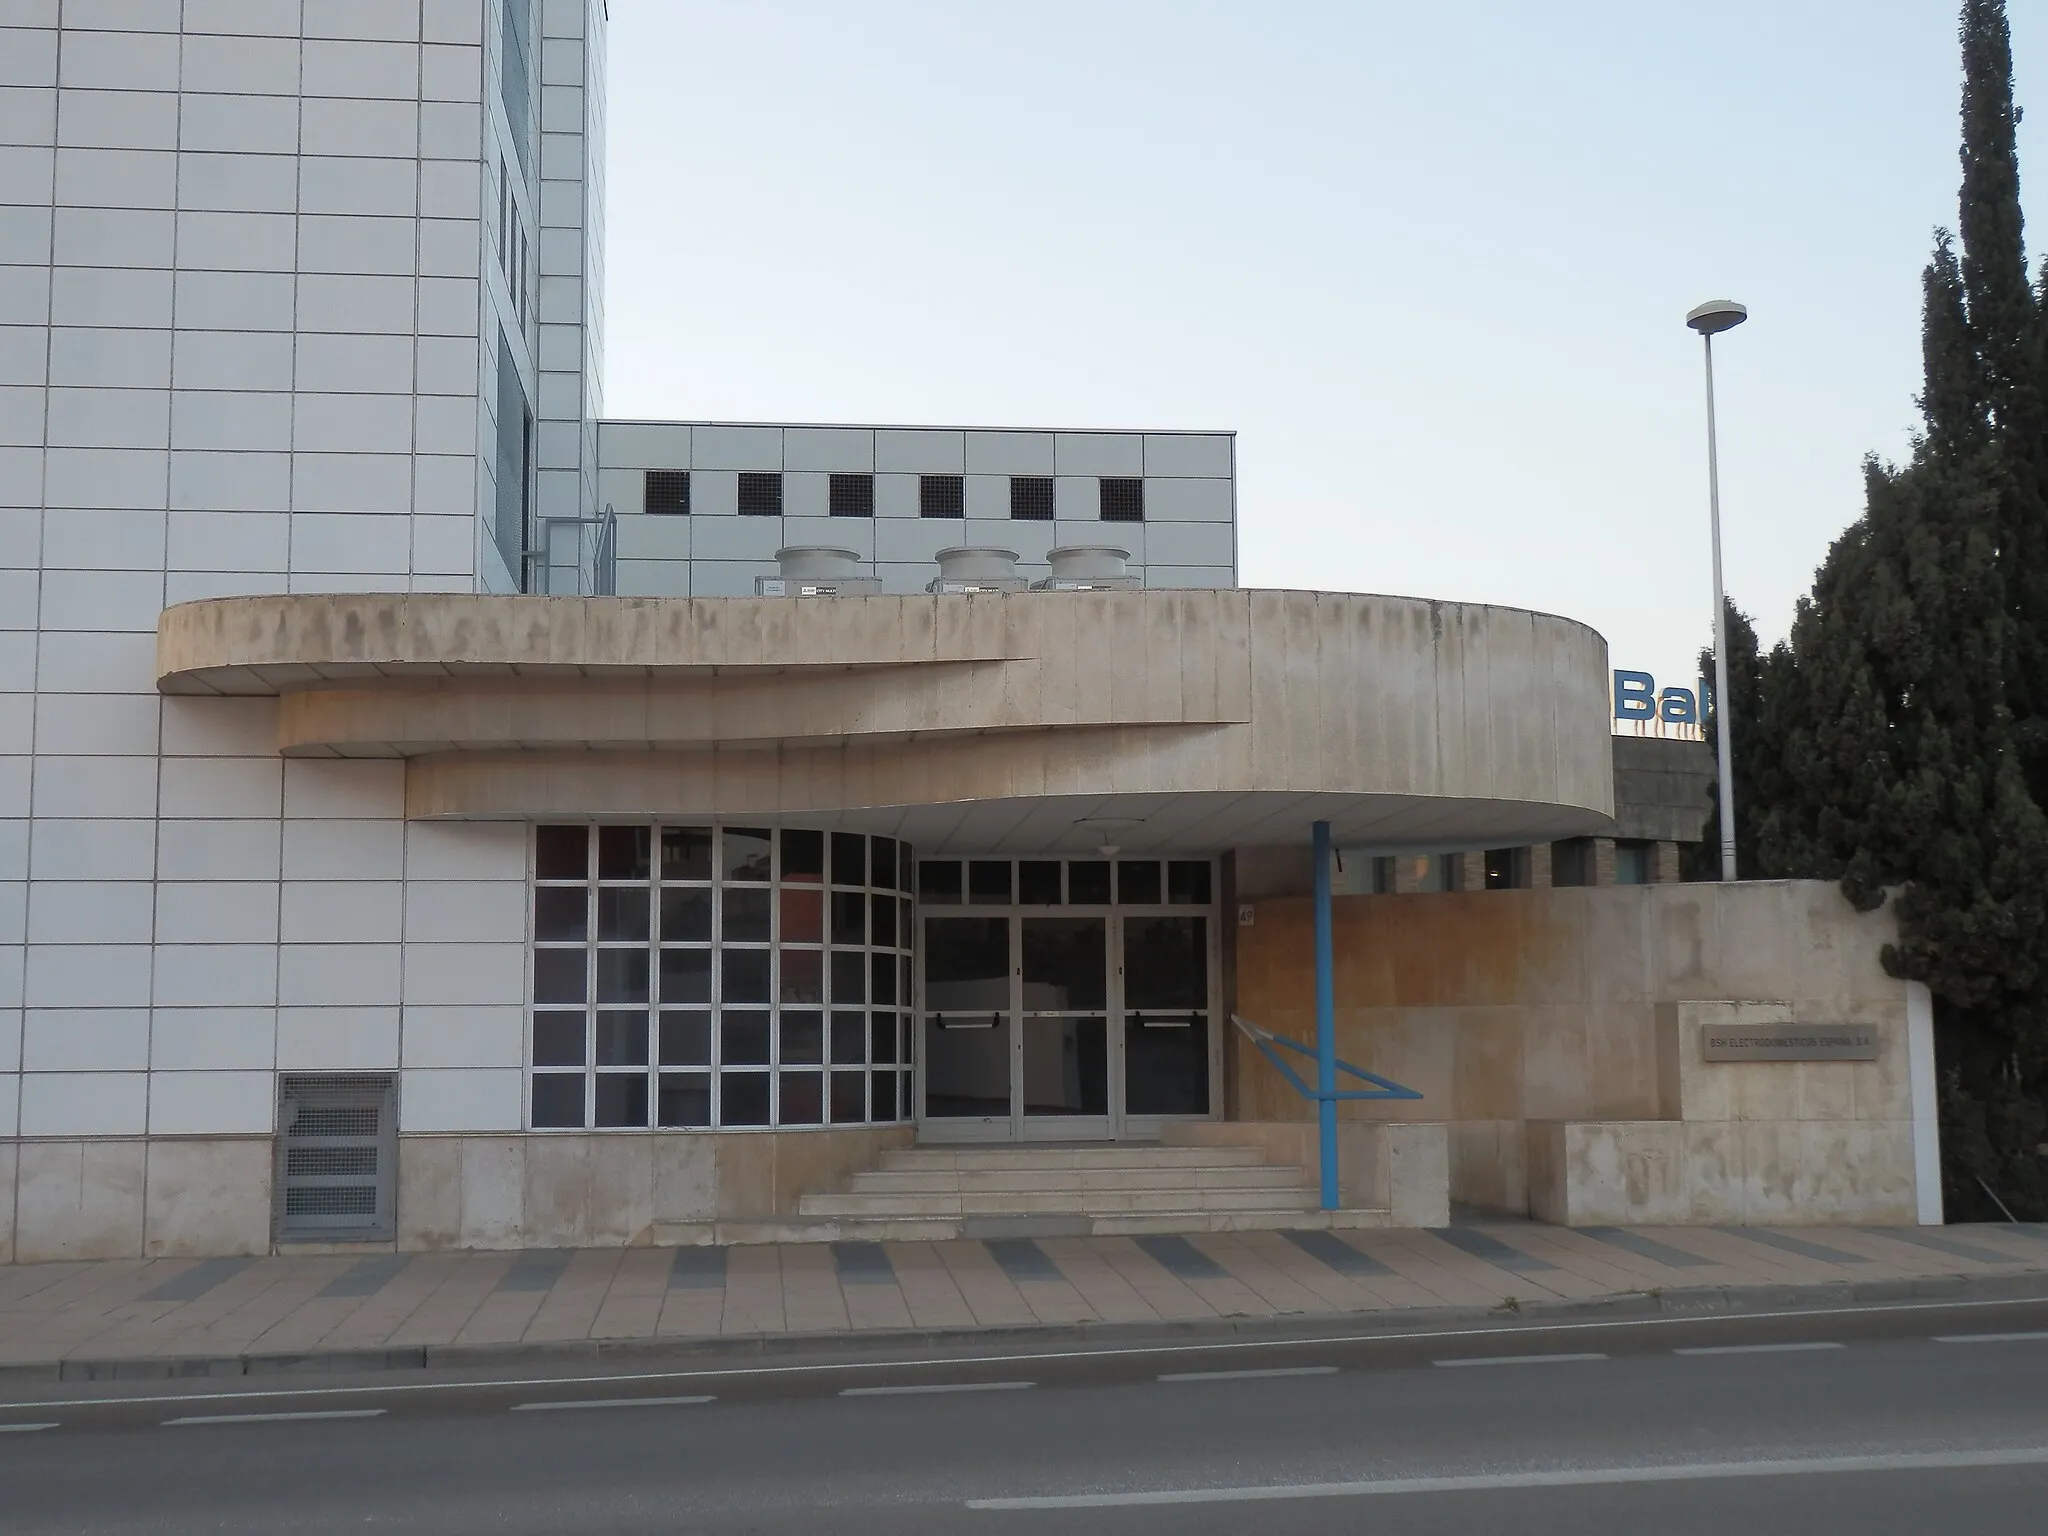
[[337, 1174]]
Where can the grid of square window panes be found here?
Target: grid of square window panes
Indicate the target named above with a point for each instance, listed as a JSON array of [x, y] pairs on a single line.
[[1065, 882], [688, 977]]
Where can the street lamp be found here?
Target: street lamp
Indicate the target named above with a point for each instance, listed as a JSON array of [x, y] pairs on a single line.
[[1710, 319]]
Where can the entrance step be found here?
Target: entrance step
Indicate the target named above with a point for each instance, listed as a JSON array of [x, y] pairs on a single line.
[[926, 1229], [1086, 1155], [1050, 1201], [1098, 1188], [1001, 1180]]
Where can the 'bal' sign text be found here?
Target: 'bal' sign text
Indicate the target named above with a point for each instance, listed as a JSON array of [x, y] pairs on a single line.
[[1636, 697]]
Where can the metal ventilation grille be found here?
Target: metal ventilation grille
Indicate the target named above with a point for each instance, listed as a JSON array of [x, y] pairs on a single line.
[[337, 1157]]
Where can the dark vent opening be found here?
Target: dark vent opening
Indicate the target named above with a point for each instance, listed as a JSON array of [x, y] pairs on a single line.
[[941, 496], [1031, 498], [1123, 499], [760, 494], [852, 496], [668, 492]]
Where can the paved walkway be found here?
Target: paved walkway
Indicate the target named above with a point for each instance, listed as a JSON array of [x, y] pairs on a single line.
[[164, 1309]]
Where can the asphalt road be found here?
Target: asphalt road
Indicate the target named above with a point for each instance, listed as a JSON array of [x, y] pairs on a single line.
[[1872, 1421]]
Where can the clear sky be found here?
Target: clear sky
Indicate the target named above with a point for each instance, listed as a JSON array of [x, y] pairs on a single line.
[[1431, 261]]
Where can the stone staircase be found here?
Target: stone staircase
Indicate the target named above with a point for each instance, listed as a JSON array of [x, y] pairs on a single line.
[[1071, 1190]]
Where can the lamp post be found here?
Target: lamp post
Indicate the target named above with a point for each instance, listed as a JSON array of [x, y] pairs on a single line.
[[1710, 319]]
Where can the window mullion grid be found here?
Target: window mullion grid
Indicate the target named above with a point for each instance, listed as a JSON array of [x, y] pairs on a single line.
[[717, 963]]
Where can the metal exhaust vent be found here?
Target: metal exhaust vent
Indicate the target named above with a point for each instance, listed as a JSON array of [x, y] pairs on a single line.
[[977, 568], [337, 1157], [815, 570], [1087, 568]]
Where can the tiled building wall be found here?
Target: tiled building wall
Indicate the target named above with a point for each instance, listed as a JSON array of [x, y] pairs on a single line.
[[1188, 537], [570, 254], [242, 349]]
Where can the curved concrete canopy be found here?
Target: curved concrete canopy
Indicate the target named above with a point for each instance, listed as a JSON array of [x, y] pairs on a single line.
[[1211, 719]]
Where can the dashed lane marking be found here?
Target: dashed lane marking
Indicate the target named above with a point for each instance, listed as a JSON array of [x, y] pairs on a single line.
[[923, 1389], [611, 1402], [276, 1418]]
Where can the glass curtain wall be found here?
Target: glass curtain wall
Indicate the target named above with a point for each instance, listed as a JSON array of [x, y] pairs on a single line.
[[689, 977]]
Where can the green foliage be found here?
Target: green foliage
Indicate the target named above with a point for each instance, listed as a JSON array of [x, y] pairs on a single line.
[[1902, 731]]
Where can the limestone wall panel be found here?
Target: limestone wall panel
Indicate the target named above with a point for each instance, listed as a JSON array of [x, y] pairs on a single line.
[[206, 1197], [78, 1200]]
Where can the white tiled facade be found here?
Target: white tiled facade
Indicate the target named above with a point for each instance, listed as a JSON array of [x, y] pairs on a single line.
[[262, 265], [1188, 537], [281, 284]]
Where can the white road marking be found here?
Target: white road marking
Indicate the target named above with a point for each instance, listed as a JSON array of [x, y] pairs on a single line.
[[2026, 1456], [1755, 1349], [1989, 1338], [921, 1388], [1252, 1375], [610, 1402], [1128, 1352], [276, 1418], [25, 1429], [1518, 1359]]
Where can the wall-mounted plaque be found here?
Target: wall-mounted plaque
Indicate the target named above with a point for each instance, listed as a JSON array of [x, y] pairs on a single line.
[[1789, 1042]]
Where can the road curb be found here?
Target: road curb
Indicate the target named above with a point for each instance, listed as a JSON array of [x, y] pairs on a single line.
[[1701, 1301]]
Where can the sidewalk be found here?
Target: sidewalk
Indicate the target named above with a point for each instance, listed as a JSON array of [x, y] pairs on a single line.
[[384, 1311]]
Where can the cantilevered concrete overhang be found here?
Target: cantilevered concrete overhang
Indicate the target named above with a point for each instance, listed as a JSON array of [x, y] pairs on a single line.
[[1191, 720]]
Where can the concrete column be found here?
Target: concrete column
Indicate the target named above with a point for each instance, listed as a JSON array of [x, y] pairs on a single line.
[[1665, 864], [1539, 866], [1471, 870], [1603, 861]]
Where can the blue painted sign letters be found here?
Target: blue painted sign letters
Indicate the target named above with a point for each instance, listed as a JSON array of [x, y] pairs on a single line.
[[1636, 697]]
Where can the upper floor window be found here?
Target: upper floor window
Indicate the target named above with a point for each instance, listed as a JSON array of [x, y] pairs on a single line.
[[852, 496], [1031, 498], [515, 39], [941, 496], [1123, 499], [760, 494], [668, 492]]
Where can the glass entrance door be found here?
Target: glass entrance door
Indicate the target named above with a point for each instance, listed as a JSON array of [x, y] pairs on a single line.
[[1063, 1072], [1166, 1016], [967, 1033], [1058, 1005]]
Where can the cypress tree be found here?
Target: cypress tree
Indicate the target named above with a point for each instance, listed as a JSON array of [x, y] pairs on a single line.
[[1904, 720], [2005, 362]]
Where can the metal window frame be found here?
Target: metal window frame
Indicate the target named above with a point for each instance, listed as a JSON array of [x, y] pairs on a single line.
[[591, 883]]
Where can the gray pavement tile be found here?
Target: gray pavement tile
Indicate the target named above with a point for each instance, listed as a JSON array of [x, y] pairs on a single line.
[[1946, 1245], [1798, 1245], [190, 1284], [1181, 1258], [697, 1269], [1484, 1245], [862, 1264], [367, 1276], [535, 1270], [2035, 1229], [1022, 1259], [1645, 1247], [1339, 1255]]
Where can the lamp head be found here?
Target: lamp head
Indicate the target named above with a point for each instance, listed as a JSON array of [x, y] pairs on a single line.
[[1716, 316]]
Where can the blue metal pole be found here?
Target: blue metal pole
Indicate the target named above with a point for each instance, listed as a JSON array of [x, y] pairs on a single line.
[[1326, 1021]]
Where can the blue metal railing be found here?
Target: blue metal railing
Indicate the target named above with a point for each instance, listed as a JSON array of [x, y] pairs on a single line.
[[1270, 1045]]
